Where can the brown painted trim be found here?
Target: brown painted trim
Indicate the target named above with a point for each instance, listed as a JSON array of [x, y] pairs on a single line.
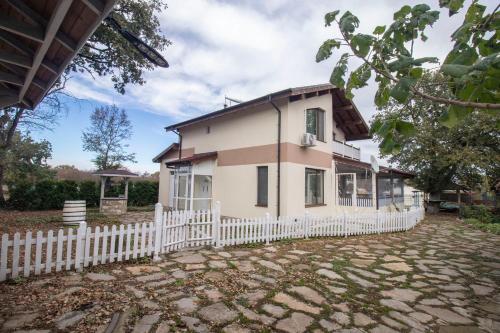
[[316, 205], [267, 154]]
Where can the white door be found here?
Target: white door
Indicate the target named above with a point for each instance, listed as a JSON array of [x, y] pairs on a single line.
[[346, 189]]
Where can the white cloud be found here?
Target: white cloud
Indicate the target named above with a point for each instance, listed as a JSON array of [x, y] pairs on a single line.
[[248, 48]]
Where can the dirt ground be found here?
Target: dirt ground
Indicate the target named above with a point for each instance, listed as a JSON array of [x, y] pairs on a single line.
[[22, 221], [442, 276]]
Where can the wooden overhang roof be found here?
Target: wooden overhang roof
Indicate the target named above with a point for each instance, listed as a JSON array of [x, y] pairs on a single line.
[[38, 40], [194, 158], [115, 173], [345, 113], [174, 146], [363, 165]]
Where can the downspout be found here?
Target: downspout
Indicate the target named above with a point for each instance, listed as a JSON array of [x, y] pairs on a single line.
[[278, 194], [180, 142]]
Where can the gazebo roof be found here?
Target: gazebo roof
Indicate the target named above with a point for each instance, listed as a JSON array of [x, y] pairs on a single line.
[[115, 173]]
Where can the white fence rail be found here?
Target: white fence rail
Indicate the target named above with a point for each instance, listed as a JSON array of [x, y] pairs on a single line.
[[72, 249]]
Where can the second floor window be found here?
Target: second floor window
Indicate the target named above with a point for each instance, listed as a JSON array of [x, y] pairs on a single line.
[[315, 123]]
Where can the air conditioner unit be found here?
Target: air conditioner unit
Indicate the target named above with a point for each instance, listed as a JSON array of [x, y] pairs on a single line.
[[308, 140]]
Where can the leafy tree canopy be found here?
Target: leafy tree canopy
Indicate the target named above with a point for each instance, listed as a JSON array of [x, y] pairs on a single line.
[[27, 159], [467, 154], [471, 69], [109, 128]]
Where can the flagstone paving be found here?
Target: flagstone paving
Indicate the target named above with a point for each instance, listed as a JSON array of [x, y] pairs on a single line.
[[441, 276]]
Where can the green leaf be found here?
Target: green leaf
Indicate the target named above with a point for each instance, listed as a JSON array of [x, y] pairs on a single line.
[[420, 61], [387, 144], [455, 70], [454, 116], [382, 96], [462, 54], [453, 5], [474, 13], [420, 9], [405, 10], [375, 126], [401, 90], [325, 50], [405, 128], [361, 44], [358, 79], [416, 72], [348, 23], [386, 128], [330, 17], [338, 73], [379, 30]]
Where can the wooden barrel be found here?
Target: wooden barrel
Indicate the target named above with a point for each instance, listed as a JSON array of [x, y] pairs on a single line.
[[74, 212]]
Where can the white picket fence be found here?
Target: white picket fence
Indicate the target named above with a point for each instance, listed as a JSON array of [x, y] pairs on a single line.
[[75, 249]]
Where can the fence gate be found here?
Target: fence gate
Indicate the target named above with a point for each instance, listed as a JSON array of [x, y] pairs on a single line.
[[188, 228]]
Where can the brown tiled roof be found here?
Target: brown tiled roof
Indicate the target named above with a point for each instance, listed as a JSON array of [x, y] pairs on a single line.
[[345, 112]]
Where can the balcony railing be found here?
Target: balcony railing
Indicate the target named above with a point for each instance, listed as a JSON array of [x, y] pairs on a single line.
[[345, 150]]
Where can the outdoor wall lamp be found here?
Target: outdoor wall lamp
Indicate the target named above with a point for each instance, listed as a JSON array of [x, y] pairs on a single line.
[[147, 51]]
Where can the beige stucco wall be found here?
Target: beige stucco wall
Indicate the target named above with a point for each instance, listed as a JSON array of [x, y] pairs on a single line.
[[234, 181]]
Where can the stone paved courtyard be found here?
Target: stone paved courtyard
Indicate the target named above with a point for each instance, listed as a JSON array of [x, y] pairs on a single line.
[[440, 277]]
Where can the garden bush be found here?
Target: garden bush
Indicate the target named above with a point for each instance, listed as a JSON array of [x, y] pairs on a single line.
[[494, 228], [479, 212], [51, 194]]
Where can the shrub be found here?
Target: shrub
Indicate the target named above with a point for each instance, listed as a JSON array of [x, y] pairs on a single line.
[[479, 212], [494, 228], [51, 194], [22, 196], [90, 192], [142, 193]]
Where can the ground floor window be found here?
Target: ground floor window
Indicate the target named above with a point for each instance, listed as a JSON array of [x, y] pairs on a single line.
[[262, 176], [191, 191], [314, 193]]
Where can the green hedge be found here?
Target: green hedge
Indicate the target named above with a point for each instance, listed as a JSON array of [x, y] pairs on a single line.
[[51, 194], [494, 228], [481, 213]]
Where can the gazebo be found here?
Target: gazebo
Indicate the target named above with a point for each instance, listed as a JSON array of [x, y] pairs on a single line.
[[114, 205]]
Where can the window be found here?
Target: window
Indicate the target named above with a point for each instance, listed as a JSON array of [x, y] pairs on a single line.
[[314, 187], [315, 123], [262, 186], [208, 129]]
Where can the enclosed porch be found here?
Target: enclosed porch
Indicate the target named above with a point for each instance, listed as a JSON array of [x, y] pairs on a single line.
[[191, 182]]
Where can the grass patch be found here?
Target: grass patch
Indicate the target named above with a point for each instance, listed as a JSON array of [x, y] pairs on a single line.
[[493, 228], [339, 264], [179, 282]]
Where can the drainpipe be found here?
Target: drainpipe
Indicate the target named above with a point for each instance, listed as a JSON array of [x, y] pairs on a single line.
[[278, 194], [180, 142]]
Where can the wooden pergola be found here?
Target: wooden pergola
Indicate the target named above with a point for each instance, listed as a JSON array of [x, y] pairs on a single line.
[[113, 205], [38, 40]]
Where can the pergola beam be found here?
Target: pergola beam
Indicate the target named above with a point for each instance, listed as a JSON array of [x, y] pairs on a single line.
[[20, 28], [11, 78], [6, 101], [95, 5], [11, 40], [41, 22], [90, 30], [15, 59], [53, 26]]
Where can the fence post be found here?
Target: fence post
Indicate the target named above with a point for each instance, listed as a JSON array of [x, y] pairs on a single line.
[[80, 236], [216, 224], [378, 222], [158, 231], [345, 224], [306, 225], [268, 228]]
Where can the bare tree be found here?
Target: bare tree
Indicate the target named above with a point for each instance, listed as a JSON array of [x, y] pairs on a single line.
[[110, 127]]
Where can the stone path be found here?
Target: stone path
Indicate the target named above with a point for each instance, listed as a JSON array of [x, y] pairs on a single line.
[[439, 277]]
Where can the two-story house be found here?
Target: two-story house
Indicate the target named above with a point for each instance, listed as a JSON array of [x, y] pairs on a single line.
[[284, 153]]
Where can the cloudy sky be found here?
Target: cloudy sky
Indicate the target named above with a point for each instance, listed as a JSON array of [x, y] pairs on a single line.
[[243, 49]]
